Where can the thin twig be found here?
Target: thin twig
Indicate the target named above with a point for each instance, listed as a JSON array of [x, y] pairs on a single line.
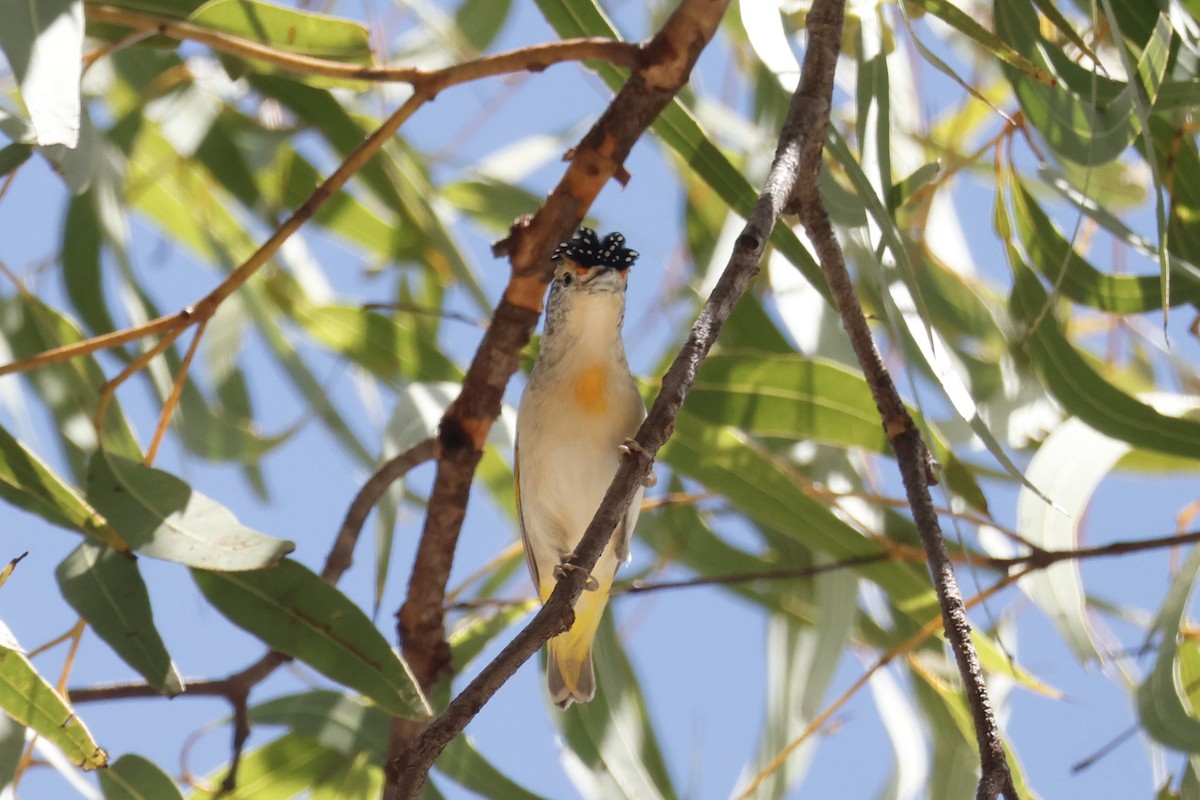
[[340, 555], [168, 410], [825, 23], [907, 646], [531, 59]]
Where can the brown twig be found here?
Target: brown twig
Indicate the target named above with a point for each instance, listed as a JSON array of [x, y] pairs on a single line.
[[340, 555], [526, 59], [907, 646], [825, 22]]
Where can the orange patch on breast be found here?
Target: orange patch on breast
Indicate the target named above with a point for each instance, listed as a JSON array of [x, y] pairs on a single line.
[[591, 390]]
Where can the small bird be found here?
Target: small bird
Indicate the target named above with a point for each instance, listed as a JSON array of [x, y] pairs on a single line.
[[579, 409]]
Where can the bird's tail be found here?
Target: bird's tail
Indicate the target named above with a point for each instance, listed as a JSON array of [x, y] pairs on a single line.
[[569, 672]]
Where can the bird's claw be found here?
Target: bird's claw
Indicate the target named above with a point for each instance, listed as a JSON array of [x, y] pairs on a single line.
[[634, 446], [564, 567]]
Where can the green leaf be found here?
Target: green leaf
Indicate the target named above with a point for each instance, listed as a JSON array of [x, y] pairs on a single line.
[[345, 723], [1084, 116], [612, 735], [464, 765], [29, 699], [132, 777], [13, 156], [81, 272], [292, 180], [474, 632], [965, 23], [162, 517], [290, 31], [292, 610], [107, 590], [788, 396], [1084, 392], [43, 41], [279, 770], [1051, 255], [28, 483], [71, 389], [480, 21], [1164, 707], [389, 347], [762, 488], [491, 203]]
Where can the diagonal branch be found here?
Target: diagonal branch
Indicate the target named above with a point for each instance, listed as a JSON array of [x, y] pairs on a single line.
[[825, 22]]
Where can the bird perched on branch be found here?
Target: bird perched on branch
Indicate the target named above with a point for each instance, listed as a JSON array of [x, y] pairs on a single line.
[[579, 409]]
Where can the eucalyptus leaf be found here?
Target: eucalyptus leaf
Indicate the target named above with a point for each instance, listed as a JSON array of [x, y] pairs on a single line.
[[132, 777], [293, 611], [162, 517], [106, 589]]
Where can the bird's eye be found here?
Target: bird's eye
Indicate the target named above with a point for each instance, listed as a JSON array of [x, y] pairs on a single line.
[[566, 279]]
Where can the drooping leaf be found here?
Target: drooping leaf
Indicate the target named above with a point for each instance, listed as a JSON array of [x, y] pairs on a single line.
[[28, 483], [467, 767], [1084, 116], [13, 156], [1081, 390], [292, 610], [760, 487], [162, 517], [132, 777], [71, 389], [1050, 254], [350, 725], [480, 21], [1164, 706], [43, 42], [613, 735], [107, 590], [32, 701], [288, 30], [278, 770]]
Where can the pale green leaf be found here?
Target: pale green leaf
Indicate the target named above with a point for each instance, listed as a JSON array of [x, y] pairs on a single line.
[[293, 611], [43, 41], [106, 589], [32, 701], [132, 777], [1164, 707], [162, 517]]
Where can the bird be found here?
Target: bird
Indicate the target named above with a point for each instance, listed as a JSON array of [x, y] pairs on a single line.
[[580, 407]]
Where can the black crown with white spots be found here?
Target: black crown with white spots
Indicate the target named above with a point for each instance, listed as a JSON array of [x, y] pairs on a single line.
[[587, 250]]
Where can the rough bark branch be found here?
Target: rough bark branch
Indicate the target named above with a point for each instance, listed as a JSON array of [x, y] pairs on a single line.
[[825, 21]]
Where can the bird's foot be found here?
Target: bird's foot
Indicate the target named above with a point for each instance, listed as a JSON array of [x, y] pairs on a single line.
[[634, 446], [564, 567]]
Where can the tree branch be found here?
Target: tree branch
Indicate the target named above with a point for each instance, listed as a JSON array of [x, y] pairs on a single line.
[[825, 21], [341, 554], [534, 58]]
